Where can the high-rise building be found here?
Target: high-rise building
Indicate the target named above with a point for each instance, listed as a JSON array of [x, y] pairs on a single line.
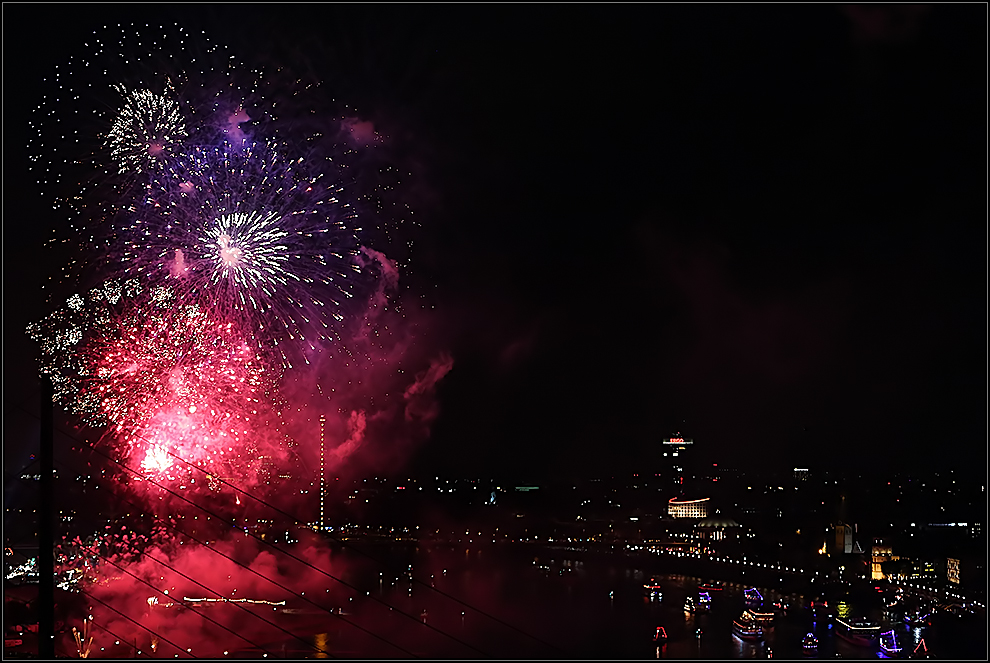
[[675, 457], [952, 570]]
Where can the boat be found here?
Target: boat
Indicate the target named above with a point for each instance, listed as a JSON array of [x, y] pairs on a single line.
[[894, 599], [761, 617], [704, 601], [820, 608], [861, 632], [746, 628], [919, 617], [689, 605], [809, 645], [652, 587], [781, 606], [710, 587], [660, 636], [889, 644], [753, 597]]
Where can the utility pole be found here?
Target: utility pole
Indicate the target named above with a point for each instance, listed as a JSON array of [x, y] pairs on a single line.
[[46, 540]]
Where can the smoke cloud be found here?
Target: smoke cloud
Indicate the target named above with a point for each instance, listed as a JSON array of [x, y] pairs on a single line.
[[420, 396], [358, 132]]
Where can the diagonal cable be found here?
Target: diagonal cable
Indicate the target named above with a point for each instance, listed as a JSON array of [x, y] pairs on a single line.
[[374, 559], [208, 589], [370, 557], [92, 447], [279, 585], [289, 554], [187, 605], [140, 625]]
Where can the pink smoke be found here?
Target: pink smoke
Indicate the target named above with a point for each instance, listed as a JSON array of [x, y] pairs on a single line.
[[234, 133], [389, 272], [357, 425], [420, 396], [359, 133], [178, 267]]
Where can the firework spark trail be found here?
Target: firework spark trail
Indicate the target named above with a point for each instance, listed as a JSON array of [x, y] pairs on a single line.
[[148, 128], [80, 562], [261, 241], [165, 379], [134, 99], [120, 355], [150, 82], [225, 254]]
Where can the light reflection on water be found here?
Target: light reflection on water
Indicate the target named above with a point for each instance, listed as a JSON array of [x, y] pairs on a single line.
[[588, 609]]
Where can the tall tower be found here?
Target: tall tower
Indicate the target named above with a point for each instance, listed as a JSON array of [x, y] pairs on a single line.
[[323, 470], [675, 450]]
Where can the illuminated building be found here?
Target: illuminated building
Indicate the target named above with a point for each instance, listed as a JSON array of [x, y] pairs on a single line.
[[881, 553], [715, 528], [681, 508], [952, 570], [674, 449], [800, 474]]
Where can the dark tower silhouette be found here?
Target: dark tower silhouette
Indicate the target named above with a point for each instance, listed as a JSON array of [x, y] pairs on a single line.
[[46, 541]]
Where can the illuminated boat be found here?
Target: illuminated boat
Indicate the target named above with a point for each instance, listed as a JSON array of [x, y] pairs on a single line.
[[810, 644], [660, 636], [782, 606], [710, 587], [689, 605], [753, 597], [860, 632], [919, 617], [888, 643], [820, 608], [761, 617], [652, 587], [704, 601], [746, 628]]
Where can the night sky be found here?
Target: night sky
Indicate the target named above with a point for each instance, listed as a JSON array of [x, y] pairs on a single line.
[[762, 226]]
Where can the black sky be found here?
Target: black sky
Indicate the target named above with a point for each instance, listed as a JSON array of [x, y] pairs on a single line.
[[764, 226]]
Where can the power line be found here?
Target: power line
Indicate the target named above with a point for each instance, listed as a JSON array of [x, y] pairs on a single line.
[[154, 633], [212, 591], [340, 617], [297, 521], [374, 559], [203, 615], [284, 552], [277, 584]]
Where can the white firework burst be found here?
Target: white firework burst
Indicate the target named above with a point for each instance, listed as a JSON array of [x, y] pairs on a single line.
[[248, 249], [148, 128]]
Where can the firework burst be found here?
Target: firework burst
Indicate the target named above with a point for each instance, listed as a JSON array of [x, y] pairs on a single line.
[[119, 356], [268, 245], [149, 128]]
